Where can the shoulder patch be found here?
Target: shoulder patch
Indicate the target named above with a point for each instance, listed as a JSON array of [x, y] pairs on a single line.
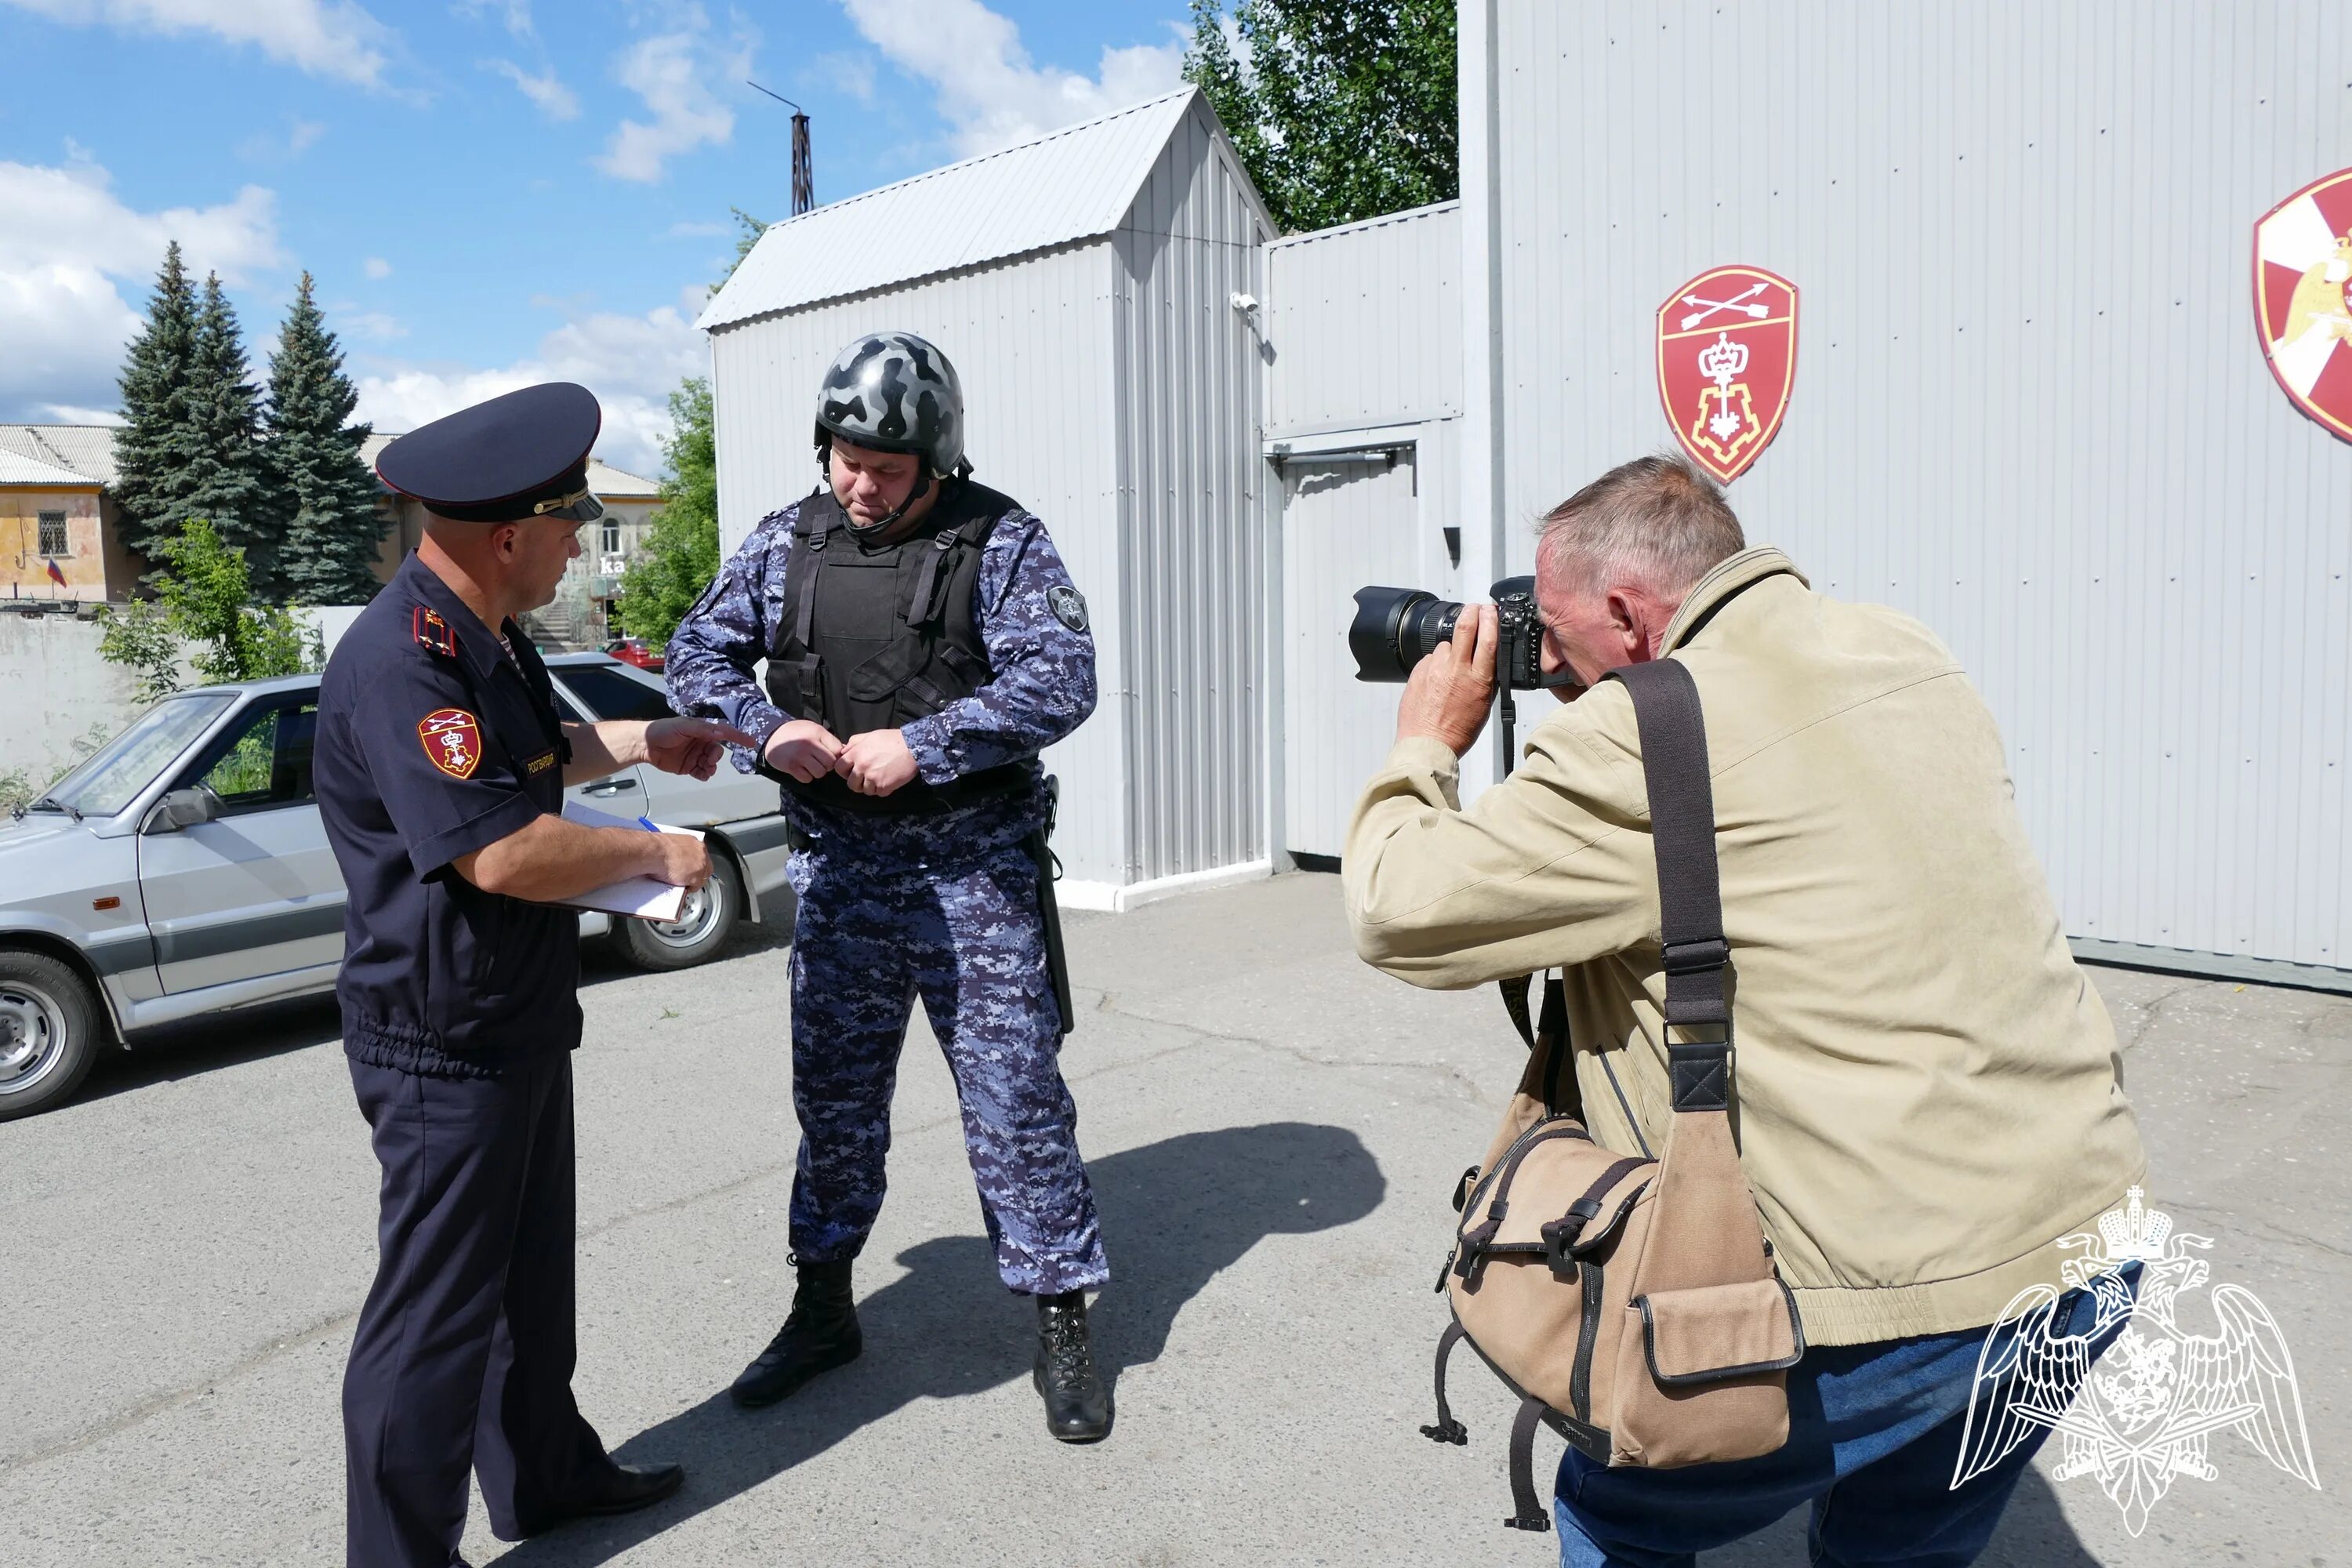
[[1069, 605], [453, 739], [433, 634]]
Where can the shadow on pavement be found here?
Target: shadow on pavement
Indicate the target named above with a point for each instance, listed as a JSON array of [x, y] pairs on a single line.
[[1174, 1213], [214, 1040]]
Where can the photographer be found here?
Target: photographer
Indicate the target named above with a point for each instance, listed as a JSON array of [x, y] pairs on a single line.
[[1927, 1091]]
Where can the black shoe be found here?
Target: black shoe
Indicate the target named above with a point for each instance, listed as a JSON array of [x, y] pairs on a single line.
[[820, 1333], [625, 1489], [1077, 1406]]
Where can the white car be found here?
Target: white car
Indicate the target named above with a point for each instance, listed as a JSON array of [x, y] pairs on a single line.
[[182, 869]]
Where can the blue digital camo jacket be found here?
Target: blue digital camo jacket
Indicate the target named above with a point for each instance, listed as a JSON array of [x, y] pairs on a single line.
[[1042, 688]]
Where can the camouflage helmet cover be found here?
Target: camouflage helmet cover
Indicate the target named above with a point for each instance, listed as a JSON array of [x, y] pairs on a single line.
[[893, 392]]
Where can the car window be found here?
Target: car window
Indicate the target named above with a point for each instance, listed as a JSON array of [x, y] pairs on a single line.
[[615, 695], [264, 762], [566, 711], [118, 770]]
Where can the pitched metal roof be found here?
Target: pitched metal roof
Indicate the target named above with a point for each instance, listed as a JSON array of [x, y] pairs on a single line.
[[85, 451], [1071, 184], [604, 481], [16, 469]]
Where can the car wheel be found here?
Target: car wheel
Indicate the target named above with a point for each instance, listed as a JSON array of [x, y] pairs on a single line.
[[49, 1033], [702, 926]]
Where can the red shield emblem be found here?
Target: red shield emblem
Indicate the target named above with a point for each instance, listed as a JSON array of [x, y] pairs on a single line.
[[453, 739], [2303, 268], [1726, 358]]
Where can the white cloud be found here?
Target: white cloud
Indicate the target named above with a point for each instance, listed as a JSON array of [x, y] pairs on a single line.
[[988, 90], [323, 38], [555, 101], [67, 413], [71, 248], [376, 326], [376, 266], [515, 14], [263, 147], [673, 73], [849, 70], [630, 362]]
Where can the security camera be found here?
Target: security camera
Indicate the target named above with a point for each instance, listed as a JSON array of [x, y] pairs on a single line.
[[1244, 303]]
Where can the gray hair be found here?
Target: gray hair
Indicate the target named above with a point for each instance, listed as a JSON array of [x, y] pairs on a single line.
[[1655, 523]]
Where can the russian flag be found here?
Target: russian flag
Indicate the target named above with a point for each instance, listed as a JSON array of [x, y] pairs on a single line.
[[56, 574]]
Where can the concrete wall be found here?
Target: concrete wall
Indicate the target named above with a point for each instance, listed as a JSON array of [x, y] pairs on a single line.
[[54, 689]]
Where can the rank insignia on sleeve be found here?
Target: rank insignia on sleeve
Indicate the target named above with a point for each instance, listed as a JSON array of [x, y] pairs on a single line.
[[453, 739], [1069, 605], [433, 634]]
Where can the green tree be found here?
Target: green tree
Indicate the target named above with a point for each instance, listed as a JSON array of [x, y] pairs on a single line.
[[330, 532], [225, 484], [1341, 109], [681, 548], [680, 555], [152, 452], [206, 599]]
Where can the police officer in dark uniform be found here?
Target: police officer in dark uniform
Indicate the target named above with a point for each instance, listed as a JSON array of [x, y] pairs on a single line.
[[923, 644], [440, 767]]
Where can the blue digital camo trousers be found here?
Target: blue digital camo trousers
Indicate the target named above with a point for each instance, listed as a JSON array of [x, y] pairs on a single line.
[[968, 939]]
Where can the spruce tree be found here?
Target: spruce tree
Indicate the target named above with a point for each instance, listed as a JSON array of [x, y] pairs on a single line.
[[151, 452], [326, 496], [224, 482]]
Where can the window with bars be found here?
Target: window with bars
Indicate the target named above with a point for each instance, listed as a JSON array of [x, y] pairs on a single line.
[[53, 533]]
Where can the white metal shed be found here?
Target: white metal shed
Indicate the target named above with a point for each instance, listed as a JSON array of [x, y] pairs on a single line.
[[1363, 436], [1085, 286], [2031, 406]]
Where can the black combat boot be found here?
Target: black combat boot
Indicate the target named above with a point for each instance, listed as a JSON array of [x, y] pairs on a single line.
[[1077, 1406], [820, 1333]]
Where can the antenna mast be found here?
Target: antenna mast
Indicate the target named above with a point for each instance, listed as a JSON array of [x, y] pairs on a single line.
[[804, 175]]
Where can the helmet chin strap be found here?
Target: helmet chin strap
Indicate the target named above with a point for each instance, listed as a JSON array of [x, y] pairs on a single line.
[[891, 520]]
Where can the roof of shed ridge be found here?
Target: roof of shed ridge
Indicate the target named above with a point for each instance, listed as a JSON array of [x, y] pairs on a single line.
[[1070, 185]]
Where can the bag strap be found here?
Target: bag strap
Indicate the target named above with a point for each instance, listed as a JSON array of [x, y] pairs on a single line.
[[1690, 892]]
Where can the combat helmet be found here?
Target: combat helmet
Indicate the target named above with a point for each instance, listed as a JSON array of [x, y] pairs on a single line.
[[893, 392]]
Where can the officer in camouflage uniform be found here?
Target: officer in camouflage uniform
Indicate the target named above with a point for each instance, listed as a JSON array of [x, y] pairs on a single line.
[[924, 643]]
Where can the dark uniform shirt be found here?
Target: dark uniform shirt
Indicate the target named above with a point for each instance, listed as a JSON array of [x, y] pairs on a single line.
[[1041, 687], [432, 744]]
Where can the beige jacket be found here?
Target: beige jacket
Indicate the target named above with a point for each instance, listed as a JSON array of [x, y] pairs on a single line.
[[1929, 1092]]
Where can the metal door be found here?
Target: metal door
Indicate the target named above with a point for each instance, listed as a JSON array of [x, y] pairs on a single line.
[[256, 892], [1347, 520]]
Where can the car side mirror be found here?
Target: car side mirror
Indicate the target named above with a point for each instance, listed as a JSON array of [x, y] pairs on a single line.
[[184, 808]]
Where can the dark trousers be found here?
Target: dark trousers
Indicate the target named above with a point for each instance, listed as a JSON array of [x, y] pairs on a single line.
[[464, 1355]]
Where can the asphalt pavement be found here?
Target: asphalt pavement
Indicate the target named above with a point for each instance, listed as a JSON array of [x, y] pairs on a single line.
[[1274, 1130]]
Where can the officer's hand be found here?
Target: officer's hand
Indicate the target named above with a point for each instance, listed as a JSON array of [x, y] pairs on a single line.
[[802, 749], [685, 860], [1453, 686], [877, 762], [691, 746]]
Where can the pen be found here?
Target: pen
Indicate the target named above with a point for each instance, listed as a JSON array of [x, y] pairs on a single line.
[[647, 824]]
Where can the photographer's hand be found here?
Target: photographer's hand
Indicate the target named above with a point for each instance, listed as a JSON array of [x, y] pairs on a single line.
[[1453, 689]]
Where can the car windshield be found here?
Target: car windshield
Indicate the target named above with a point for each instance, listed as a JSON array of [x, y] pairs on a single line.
[[114, 776]]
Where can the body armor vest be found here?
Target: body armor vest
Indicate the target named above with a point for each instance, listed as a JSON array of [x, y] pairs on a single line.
[[868, 639]]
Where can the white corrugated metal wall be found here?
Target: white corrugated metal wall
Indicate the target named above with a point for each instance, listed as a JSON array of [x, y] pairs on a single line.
[[1190, 398], [1365, 322], [2030, 405], [1031, 340]]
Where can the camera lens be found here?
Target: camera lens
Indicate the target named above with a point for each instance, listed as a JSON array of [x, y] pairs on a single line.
[[1395, 628]]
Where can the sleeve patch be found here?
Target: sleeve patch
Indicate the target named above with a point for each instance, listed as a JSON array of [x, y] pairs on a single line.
[[1069, 605], [540, 764], [453, 739]]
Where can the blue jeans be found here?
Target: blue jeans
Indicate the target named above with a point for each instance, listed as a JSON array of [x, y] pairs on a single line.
[[1874, 1437]]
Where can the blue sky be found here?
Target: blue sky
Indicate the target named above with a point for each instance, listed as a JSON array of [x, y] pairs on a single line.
[[487, 191]]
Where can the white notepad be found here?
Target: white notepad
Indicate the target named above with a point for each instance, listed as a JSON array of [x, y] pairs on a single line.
[[646, 898]]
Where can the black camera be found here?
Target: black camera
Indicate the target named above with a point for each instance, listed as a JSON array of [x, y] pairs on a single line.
[[1396, 629]]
